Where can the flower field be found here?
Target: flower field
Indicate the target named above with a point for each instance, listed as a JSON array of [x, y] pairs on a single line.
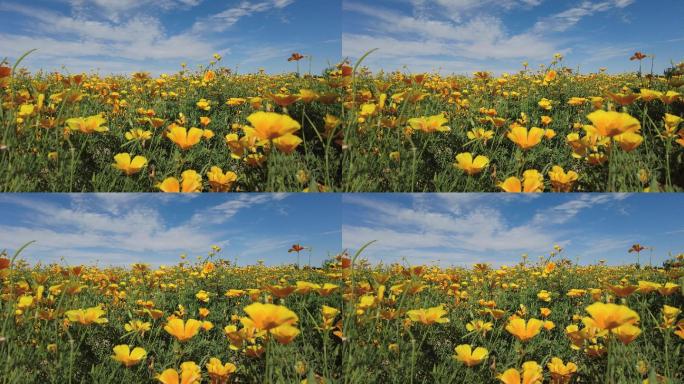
[[208, 130], [194, 322], [347, 130], [549, 321], [349, 322], [535, 130]]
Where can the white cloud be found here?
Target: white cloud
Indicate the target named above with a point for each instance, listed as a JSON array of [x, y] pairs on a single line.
[[564, 212], [410, 39], [227, 18], [138, 38], [223, 212], [115, 36], [136, 228], [568, 18], [473, 229], [115, 9]]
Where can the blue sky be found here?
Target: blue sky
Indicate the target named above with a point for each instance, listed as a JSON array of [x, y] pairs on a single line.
[[462, 36], [123, 228], [465, 228], [448, 229], [123, 36]]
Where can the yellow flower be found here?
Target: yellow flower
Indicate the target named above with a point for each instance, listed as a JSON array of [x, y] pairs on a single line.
[[207, 133], [626, 333], [283, 99], [191, 182], [329, 312], [138, 134], [669, 97], [428, 316], [465, 162], [561, 373], [524, 330], [124, 355], [270, 125], [219, 181], [269, 316], [550, 76], [191, 373], [183, 331], [672, 121], [234, 101], [307, 95], [287, 143], [208, 76], [531, 373], [560, 180], [533, 181], [545, 104], [470, 357], [523, 138], [128, 166], [204, 105], [285, 333], [576, 101], [138, 326], [649, 94], [430, 123], [629, 141], [87, 316], [88, 124], [611, 123], [668, 289], [480, 326], [544, 295], [219, 372], [202, 296], [609, 316], [480, 134], [184, 138], [549, 133]]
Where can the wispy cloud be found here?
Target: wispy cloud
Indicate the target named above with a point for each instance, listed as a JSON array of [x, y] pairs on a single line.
[[566, 211], [568, 18], [498, 228], [139, 37], [472, 229], [426, 38], [115, 36], [225, 19]]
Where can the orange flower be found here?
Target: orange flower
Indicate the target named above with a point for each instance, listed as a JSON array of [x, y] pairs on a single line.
[[124, 355], [609, 316], [183, 331], [268, 316], [523, 138], [191, 373], [610, 123], [532, 181], [270, 125], [191, 182], [531, 373], [184, 138], [524, 330], [128, 166], [428, 316]]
